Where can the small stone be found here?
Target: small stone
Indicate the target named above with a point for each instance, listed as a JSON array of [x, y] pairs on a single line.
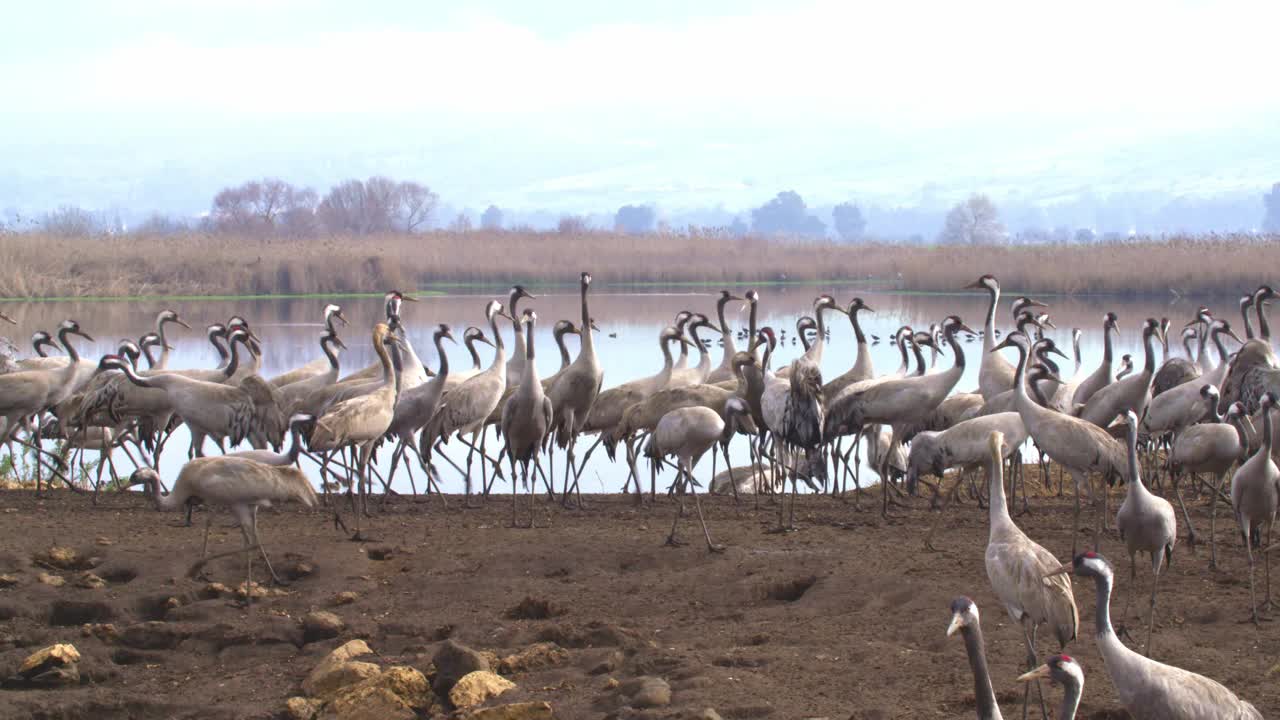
[[300, 708], [454, 660], [647, 692], [368, 703], [302, 569], [59, 655], [216, 589], [106, 632], [709, 714], [246, 589], [346, 597], [8, 581], [535, 657], [51, 580], [611, 683], [477, 687], [62, 558], [514, 711], [333, 672], [610, 662], [104, 541], [90, 581], [321, 625]]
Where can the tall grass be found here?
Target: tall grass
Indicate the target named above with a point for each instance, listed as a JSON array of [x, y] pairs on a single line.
[[36, 265]]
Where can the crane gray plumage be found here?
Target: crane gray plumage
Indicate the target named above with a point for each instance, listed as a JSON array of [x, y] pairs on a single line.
[[688, 433], [1104, 375], [515, 364], [814, 351], [321, 365], [1254, 370], [1211, 447], [416, 407], [863, 368], [293, 394], [470, 337], [698, 374], [1151, 690], [574, 392], [1017, 566], [1255, 491], [966, 621], [526, 419], [965, 445], [1131, 393], [724, 371], [1065, 671], [240, 484], [1146, 523], [995, 374], [1080, 447]]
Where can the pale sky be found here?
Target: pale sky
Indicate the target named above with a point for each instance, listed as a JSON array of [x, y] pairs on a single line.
[[534, 102]]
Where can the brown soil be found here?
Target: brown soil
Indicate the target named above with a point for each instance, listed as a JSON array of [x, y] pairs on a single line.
[[845, 618]]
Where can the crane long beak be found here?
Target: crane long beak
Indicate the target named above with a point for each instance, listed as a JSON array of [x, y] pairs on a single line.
[[1036, 303], [8, 319], [1055, 350], [956, 624], [967, 329], [181, 322], [338, 341], [1232, 334], [408, 298], [485, 340], [84, 335], [1037, 674], [735, 297], [341, 317], [976, 284], [742, 309]]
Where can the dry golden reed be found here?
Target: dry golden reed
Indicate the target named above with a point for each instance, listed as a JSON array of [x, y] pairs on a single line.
[[36, 265]]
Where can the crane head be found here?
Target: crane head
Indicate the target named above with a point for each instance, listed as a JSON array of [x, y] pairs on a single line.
[[964, 615], [169, 316], [1061, 669], [857, 304], [986, 282]]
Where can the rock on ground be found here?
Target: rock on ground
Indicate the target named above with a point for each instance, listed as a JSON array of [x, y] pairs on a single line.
[[477, 687], [454, 660]]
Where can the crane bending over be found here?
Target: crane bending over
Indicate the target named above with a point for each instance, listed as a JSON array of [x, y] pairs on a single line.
[[1151, 690]]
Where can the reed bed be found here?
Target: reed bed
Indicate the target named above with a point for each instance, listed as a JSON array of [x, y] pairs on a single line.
[[34, 265]]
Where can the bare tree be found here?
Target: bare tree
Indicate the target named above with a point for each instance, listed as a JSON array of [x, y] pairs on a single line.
[[974, 222], [461, 223], [161, 225], [417, 202], [492, 218], [70, 221], [257, 206], [572, 225]]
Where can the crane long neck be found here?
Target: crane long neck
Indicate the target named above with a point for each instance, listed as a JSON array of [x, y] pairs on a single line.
[[1102, 617], [724, 326], [498, 344], [384, 356], [989, 325], [704, 355], [564, 350], [1266, 429], [233, 363], [906, 360], [1075, 350], [146, 352], [998, 508], [985, 697], [135, 378], [820, 314], [1106, 344], [588, 347], [330, 349], [1135, 471], [475, 354], [1186, 347], [1149, 364], [1201, 356], [857, 328], [1222, 349], [443, 372], [224, 356], [1248, 323], [1071, 693], [950, 333], [530, 370], [751, 321], [517, 331], [295, 446], [915, 350], [163, 501], [72, 354], [164, 341], [1264, 329]]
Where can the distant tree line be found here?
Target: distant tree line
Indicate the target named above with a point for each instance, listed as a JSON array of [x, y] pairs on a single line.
[[272, 207]]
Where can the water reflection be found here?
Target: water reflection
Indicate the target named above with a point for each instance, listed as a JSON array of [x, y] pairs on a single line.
[[627, 343]]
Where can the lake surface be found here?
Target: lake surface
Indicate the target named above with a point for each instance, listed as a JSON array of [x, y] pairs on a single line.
[[627, 344]]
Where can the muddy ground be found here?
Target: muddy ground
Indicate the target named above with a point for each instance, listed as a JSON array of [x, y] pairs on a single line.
[[845, 618]]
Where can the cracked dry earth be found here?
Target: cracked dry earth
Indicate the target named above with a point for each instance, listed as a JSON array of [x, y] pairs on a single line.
[[845, 618]]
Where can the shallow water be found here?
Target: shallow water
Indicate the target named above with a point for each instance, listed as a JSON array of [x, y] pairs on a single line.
[[627, 343]]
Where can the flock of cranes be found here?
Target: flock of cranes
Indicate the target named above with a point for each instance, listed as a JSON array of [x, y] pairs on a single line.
[[1147, 426]]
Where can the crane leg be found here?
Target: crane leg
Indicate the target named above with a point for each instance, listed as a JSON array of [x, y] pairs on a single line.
[[1029, 634], [1075, 516], [1213, 522], [1253, 596], [733, 483], [1151, 621], [1266, 563], [672, 541], [512, 458], [955, 487], [711, 547], [537, 466], [1186, 516]]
